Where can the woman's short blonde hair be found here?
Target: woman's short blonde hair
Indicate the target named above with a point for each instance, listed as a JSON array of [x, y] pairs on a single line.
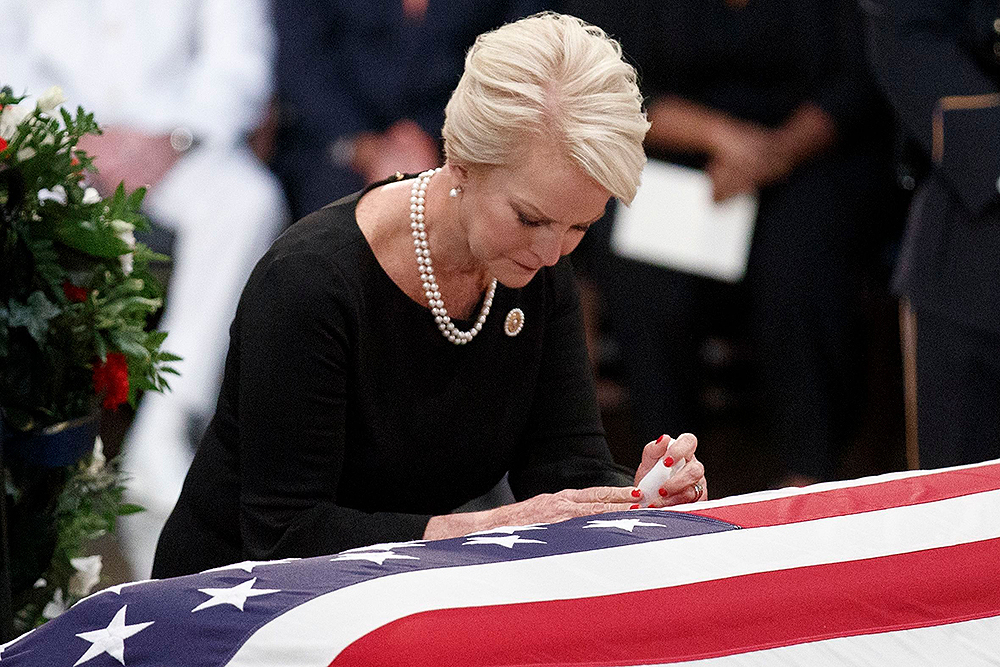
[[550, 75]]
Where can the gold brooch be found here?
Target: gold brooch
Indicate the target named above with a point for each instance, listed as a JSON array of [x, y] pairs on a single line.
[[514, 322]]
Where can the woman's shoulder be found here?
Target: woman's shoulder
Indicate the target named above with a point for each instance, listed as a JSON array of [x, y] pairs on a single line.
[[329, 231], [321, 251]]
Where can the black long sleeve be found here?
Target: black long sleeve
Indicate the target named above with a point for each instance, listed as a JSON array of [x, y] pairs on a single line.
[[346, 419]]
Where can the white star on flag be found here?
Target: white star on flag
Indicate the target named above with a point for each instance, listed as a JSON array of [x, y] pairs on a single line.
[[374, 557], [110, 640], [249, 565], [506, 541], [510, 530], [236, 596], [624, 524], [386, 546]]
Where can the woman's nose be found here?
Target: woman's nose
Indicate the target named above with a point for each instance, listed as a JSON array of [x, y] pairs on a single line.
[[550, 248]]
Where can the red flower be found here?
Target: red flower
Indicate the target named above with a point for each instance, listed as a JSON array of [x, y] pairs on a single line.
[[74, 293], [3, 143], [112, 377]]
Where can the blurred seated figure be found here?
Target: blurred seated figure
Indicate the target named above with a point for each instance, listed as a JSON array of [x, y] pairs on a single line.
[[178, 87], [768, 97], [362, 87]]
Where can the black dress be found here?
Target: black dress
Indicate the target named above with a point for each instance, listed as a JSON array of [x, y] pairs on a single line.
[[346, 418]]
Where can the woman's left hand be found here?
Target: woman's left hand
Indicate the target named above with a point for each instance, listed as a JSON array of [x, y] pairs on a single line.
[[686, 486]]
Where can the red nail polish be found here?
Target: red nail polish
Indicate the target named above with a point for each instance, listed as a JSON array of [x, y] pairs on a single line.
[[663, 492], [669, 461], [660, 439], [636, 493], [634, 507]]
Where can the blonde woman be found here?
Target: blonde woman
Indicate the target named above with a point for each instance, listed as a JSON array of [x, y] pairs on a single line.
[[398, 352]]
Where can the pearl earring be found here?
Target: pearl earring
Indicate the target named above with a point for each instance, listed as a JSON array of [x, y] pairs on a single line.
[[455, 192]]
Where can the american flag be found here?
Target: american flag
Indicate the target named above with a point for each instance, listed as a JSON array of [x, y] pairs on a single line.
[[901, 569]]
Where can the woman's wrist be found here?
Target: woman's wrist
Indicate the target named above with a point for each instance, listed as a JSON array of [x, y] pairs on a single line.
[[808, 131], [679, 124], [443, 526]]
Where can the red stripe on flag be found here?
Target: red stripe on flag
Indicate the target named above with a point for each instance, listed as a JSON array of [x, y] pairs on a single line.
[[701, 620], [858, 499]]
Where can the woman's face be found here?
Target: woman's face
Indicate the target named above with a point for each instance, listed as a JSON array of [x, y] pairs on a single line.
[[526, 216]]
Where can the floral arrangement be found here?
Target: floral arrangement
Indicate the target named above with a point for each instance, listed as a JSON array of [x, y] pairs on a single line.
[[75, 293], [74, 283], [78, 504]]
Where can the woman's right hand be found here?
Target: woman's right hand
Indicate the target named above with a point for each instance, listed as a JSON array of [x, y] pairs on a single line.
[[543, 508]]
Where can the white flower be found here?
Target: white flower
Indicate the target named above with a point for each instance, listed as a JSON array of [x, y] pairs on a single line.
[[10, 118], [123, 230], [56, 607], [97, 459], [91, 196], [88, 573], [50, 99], [56, 194], [26, 154]]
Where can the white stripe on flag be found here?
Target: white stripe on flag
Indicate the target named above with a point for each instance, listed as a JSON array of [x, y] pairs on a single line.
[[325, 625]]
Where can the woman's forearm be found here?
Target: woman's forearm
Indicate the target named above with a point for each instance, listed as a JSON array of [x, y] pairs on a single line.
[[808, 132], [455, 525], [678, 124]]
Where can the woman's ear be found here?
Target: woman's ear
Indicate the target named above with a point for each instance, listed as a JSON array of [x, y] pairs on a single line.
[[459, 174]]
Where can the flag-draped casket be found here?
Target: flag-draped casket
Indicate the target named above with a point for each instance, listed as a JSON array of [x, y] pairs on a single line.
[[898, 569]]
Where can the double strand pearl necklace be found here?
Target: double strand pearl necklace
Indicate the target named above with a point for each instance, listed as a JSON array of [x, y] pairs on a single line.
[[431, 288]]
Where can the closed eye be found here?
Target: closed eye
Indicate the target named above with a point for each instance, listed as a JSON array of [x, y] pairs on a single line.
[[529, 222], [533, 222]]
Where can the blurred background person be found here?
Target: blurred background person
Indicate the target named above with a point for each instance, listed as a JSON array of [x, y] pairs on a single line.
[[939, 65], [177, 87], [768, 97], [361, 87]]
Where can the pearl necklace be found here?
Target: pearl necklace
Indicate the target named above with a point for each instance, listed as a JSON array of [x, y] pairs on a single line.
[[431, 289]]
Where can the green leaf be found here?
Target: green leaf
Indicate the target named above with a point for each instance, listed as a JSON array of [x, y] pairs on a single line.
[[134, 200], [100, 346], [34, 316], [128, 344], [128, 508], [155, 339], [85, 237]]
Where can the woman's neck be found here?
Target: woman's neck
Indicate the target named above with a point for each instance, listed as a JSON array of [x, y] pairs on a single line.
[[383, 216], [448, 236]]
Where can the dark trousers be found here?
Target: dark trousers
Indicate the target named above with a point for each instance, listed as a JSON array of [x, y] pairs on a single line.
[[958, 392]]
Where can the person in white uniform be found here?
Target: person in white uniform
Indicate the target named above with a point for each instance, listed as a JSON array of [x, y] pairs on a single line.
[[177, 88]]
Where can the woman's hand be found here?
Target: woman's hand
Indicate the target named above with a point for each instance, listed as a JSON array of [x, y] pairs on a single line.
[[543, 508], [686, 486], [742, 158]]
